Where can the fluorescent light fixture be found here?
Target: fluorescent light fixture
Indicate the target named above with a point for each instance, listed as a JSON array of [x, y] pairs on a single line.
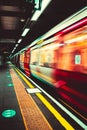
[[19, 40], [22, 20], [37, 13], [16, 45], [14, 48], [25, 31]]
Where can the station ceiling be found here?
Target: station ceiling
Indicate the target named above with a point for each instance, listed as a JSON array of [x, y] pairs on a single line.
[[15, 15]]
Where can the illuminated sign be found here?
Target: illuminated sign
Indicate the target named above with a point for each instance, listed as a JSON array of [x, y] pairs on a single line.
[[77, 59], [38, 4]]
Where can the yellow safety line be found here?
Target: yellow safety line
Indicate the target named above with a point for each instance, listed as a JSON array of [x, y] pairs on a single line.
[[28, 83], [28, 125], [49, 106], [22, 113], [55, 113], [19, 104]]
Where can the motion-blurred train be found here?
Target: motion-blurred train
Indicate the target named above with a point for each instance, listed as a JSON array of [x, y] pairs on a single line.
[[60, 54]]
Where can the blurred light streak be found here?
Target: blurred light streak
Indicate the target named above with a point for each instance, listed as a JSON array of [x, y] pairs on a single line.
[[76, 25], [73, 101], [81, 38], [73, 109], [74, 92], [53, 46]]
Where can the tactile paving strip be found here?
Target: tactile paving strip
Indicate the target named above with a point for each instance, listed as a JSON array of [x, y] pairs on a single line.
[[32, 116]]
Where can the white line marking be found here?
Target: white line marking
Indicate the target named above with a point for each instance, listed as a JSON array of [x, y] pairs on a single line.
[[33, 90]]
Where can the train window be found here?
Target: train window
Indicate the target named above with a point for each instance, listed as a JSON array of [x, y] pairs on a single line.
[[77, 59], [47, 57], [35, 57]]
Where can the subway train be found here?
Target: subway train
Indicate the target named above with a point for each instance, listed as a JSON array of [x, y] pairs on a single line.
[[60, 55], [59, 60]]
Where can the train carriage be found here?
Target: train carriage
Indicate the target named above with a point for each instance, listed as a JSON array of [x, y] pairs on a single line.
[[63, 57], [59, 58], [27, 62]]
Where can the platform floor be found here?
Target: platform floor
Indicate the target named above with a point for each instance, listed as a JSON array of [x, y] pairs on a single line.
[[18, 110], [9, 103], [23, 108]]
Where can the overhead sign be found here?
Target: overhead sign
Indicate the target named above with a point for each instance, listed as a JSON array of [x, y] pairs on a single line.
[[38, 4]]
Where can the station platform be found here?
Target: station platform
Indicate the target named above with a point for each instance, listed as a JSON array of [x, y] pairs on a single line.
[[25, 107], [18, 110]]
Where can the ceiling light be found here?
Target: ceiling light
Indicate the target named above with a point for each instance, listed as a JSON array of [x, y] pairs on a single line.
[[25, 31], [22, 20], [37, 13], [16, 45], [19, 40]]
